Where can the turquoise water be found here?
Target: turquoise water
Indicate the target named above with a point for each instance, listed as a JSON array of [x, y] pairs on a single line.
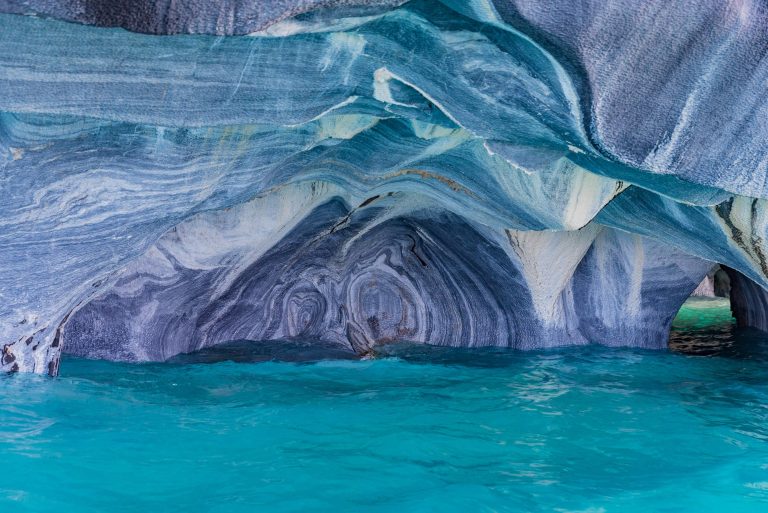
[[582, 429]]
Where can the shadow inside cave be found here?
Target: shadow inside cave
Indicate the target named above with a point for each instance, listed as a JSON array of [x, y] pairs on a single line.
[[251, 351], [707, 324]]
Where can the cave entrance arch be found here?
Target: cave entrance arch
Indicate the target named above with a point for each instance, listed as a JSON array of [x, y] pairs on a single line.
[[718, 311]]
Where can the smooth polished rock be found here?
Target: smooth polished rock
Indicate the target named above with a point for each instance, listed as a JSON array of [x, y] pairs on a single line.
[[377, 273], [476, 173], [749, 301]]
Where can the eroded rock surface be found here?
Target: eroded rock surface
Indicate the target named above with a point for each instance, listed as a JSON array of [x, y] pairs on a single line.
[[506, 173]]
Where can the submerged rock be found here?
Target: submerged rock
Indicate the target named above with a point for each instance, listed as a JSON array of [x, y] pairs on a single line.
[[481, 173]]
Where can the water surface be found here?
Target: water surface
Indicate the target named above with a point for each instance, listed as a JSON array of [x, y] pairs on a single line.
[[419, 429]]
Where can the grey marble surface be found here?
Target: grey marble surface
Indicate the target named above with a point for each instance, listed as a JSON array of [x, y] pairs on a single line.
[[517, 174]]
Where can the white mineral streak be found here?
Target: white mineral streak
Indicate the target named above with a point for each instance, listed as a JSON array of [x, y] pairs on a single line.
[[472, 173], [548, 261]]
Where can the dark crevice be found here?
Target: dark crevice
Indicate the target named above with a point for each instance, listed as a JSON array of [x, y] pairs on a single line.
[[413, 250]]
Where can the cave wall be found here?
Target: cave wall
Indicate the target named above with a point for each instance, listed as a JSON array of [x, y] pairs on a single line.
[[375, 274], [716, 283], [749, 301], [553, 166]]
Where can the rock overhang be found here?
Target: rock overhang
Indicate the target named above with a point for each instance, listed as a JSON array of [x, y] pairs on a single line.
[[138, 166]]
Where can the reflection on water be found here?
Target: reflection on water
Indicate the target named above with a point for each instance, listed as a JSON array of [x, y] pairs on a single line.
[[705, 327], [248, 351]]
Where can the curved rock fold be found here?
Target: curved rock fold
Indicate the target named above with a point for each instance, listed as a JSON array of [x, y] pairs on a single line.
[[178, 175]]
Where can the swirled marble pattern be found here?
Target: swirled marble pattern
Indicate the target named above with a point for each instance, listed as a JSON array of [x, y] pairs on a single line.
[[377, 273], [354, 172]]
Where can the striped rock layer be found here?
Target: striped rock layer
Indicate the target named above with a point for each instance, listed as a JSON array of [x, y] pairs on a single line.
[[526, 174]]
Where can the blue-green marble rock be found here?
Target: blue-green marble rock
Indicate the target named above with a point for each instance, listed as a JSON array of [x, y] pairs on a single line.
[[175, 175]]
